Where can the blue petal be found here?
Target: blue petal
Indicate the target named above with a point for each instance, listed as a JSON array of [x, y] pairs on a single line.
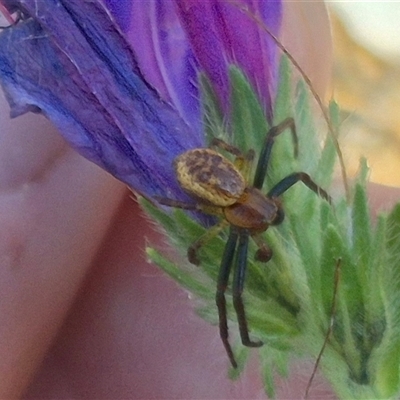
[[221, 33], [71, 61], [121, 10], [163, 52]]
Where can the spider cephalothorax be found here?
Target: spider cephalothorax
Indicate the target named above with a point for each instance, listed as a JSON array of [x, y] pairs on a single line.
[[221, 187]]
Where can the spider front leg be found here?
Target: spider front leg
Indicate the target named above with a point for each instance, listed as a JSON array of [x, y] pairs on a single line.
[[286, 183], [265, 154]]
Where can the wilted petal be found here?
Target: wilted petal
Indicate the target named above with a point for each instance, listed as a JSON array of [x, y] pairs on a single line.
[[72, 62], [221, 33]]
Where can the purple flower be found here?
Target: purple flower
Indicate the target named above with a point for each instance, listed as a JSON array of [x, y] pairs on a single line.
[[132, 110]]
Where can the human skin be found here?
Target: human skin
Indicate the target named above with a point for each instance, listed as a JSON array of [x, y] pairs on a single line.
[[82, 314]]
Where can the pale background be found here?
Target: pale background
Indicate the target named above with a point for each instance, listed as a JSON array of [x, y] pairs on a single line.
[[366, 84]]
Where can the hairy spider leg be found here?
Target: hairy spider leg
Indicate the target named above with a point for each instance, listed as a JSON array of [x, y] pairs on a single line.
[[264, 253], [246, 168], [286, 183], [206, 237], [227, 147], [222, 284], [165, 201], [237, 288], [207, 208], [265, 154], [239, 238], [242, 162]]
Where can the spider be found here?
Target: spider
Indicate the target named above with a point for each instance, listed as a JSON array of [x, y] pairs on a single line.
[[220, 187]]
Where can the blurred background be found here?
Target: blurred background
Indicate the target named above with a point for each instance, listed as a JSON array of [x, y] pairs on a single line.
[[366, 84]]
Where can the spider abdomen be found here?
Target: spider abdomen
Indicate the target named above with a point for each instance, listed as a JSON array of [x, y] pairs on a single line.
[[209, 176], [254, 211]]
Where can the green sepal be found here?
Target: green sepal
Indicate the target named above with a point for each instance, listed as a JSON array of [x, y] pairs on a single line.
[[248, 121], [272, 362], [387, 354], [242, 355], [305, 123], [212, 115], [325, 170], [282, 158], [185, 279], [362, 237], [283, 100]]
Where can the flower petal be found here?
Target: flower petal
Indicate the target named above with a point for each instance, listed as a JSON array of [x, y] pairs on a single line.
[[122, 11], [221, 33], [163, 52], [71, 61]]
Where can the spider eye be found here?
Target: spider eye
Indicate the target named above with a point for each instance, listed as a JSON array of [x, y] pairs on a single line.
[[280, 216]]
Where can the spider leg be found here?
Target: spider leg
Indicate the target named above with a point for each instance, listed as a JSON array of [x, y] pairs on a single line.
[[242, 161], [265, 154], [264, 253], [222, 283], [165, 201], [247, 165], [290, 180], [237, 288], [227, 147], [208, 235], [213, 231]]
